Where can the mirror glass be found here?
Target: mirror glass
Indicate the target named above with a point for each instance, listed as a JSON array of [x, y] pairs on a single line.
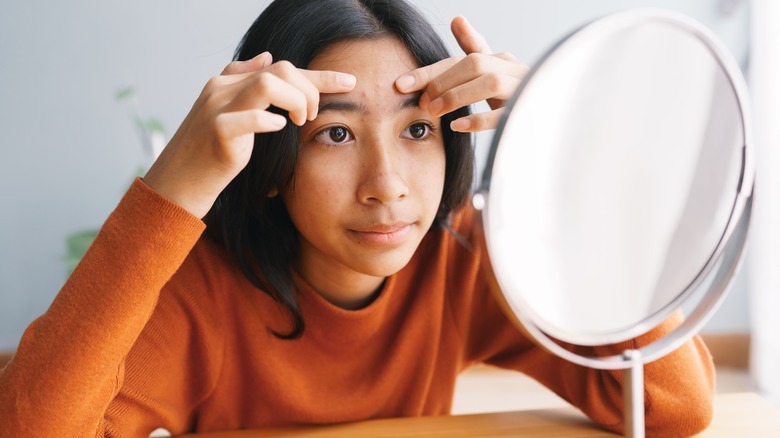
[[612, 179]]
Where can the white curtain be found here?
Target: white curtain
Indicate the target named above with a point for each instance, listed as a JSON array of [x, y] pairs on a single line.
[[763, 266]]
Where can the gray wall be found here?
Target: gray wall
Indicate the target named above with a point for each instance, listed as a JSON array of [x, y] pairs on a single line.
[[69, 149]]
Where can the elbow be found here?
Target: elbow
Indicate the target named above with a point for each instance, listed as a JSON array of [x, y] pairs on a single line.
[[685, 417], [679, 396]]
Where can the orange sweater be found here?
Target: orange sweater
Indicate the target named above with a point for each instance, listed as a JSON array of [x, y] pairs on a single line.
[[155, 328]]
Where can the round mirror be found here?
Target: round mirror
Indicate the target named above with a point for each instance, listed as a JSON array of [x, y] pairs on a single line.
[[617, 180]]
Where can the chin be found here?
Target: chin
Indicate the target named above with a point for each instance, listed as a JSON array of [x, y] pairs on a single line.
[[385, 265]]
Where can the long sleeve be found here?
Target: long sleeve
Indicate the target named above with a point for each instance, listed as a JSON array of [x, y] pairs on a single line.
[[139, 338], [175, 363], [679, 388], [70, 361]]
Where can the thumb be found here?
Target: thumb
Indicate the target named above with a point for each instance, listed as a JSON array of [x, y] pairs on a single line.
[[257, 63], [468, 38]]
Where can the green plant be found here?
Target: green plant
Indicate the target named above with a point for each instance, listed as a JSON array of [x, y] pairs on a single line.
[[76, 245], [152, 136]]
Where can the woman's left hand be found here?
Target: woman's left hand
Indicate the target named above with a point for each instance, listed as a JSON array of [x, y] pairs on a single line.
[[459, 81]]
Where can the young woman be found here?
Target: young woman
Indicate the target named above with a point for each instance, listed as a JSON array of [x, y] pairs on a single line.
[[339, 278]]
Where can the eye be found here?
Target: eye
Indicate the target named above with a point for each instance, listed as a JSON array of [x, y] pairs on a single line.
[[418, 131], [334, 135]]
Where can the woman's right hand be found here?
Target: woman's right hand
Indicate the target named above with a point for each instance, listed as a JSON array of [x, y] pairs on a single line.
[[215, 140]]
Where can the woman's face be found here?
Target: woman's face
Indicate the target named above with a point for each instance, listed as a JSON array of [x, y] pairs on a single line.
[[369, 176]]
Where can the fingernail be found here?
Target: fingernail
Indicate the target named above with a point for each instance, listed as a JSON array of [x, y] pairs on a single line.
[[460, 125], [263, 56], [278, 121], [435, 107], [347, 80], [405, 82]]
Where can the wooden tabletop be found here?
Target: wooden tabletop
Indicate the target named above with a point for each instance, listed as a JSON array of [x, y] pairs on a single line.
[[736, 415]]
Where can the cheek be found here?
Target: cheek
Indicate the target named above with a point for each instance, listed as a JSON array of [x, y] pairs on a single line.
[[430, 170], [316, 185]]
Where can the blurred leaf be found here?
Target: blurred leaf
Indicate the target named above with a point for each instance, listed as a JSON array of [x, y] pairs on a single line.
[[152, 124], [77, 245], [124, 94]]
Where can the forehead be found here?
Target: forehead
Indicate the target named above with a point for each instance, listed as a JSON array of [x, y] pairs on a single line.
[[376, 63]]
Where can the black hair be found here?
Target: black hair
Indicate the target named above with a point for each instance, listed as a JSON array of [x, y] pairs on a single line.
[[256, 229]]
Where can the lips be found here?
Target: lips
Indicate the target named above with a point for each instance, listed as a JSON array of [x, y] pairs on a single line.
[[383, 233]]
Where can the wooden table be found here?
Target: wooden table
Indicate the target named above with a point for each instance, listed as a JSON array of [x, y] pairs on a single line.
[[736, 415]]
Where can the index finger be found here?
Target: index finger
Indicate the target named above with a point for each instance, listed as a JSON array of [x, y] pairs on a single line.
[[328, 81], [419, 78]]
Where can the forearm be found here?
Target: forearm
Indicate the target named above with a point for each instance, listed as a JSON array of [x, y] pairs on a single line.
[[678, 388], [69, 362]]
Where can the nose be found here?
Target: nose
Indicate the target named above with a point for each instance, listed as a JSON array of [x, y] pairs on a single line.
[[383, 176]]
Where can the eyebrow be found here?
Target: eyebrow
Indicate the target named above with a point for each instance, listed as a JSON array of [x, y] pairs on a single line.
[[335, 104]]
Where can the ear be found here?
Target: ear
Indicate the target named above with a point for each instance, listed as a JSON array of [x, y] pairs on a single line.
[[273, 193]]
